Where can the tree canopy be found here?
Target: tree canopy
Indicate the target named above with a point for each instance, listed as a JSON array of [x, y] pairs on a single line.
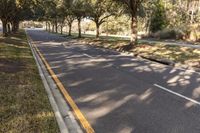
[[151, 15]]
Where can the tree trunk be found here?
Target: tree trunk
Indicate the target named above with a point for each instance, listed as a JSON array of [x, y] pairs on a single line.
[[133, 30], [53, 28], [192, 17], [79, 28], [107, 28], [46, 26], [70, 30], [148, 26], [8, 28], [4, 28], [61, 29], [49, 27], [56, 26], [97, 30], [15, 26]]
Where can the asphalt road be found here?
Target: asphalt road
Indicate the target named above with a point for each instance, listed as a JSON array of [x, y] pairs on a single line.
[[123, 94]]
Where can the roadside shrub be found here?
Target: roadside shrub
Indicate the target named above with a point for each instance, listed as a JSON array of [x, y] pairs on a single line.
[[159, 19], [169, 34]]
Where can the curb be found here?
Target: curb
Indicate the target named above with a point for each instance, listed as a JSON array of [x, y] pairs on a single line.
[[162, 61], [60, 121], [64, 117], [150, 58]]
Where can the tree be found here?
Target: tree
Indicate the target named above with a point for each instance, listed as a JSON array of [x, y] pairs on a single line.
[[116, 25], [61, 9], [159, 19], [80, 10], [6, 11], [68, 13], [14, 11], [49, 8], [100, 10], [132, 7], [70, 19], [52, 14], [22, 10]]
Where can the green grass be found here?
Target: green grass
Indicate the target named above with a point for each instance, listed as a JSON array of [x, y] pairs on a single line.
[[24, 105], [93, 36], [178, 54]]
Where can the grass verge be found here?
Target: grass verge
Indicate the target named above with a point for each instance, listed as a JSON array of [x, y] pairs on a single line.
[[24, 105], [178, 54]]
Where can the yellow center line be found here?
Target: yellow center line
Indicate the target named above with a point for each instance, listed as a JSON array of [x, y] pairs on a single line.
[[83, 121]]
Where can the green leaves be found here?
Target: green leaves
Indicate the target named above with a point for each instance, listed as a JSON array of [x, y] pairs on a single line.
[[159, 19]]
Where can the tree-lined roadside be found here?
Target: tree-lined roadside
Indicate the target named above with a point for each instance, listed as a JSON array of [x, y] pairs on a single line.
[[96, 10], [24, 105], [12, 12], [103, 84], [115, 91], [155, 18]]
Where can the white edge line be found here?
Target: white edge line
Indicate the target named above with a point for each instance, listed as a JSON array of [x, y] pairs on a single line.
[[175, 93], [88, 55]]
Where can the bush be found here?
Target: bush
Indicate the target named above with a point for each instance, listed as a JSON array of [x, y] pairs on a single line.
[[159, 19], [169, 34], [183, 32]]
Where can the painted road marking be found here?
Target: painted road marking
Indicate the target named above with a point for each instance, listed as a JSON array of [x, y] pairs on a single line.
[[177, 94], [88, 55], [83, 121], [192, 71]]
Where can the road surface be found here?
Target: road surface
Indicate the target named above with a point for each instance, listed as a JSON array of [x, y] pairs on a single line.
[[122, 94]]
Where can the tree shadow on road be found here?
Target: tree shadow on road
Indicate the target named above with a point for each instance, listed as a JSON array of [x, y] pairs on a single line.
[[116, 93]]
